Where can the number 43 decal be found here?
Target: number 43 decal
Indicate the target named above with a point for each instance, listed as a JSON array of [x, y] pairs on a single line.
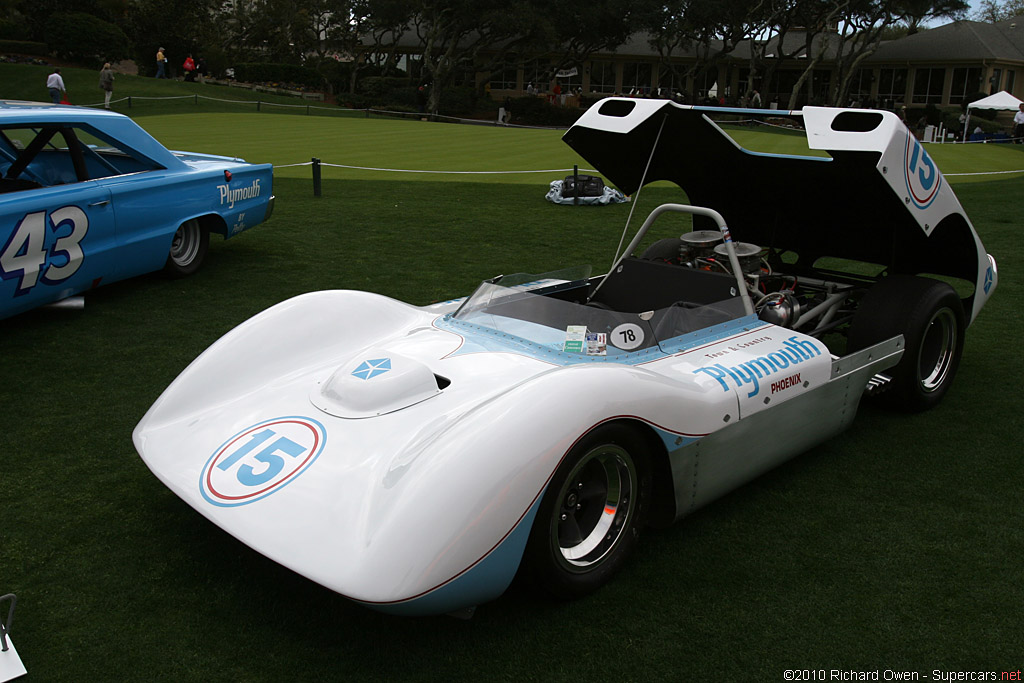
[[26, 256]]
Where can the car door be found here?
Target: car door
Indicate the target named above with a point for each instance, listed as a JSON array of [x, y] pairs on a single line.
[[54, 242]]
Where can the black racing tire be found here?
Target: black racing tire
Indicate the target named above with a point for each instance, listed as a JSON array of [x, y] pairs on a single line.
[[188, 249], [929, 315], [663, 250], [591, 515]]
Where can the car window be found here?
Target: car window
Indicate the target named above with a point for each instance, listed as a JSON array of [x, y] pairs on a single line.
[[543, 314], [47, 155]]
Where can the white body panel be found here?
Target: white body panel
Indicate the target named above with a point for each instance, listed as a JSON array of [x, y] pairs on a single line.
[[396, 505]]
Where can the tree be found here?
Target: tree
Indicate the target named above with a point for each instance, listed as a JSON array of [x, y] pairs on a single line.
[[992, 11], [710, 29], [456, 35], [585, 28], [182, 27], [85, 38], [794, 30], [380, 26], [36, 14]]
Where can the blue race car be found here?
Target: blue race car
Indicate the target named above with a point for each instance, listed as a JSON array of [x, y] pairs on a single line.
[[87, 197]]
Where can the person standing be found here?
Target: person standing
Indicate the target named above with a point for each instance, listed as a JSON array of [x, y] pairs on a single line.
[[1018, 125], [161, 64], [55, 84], [107, 84], [190, 68]]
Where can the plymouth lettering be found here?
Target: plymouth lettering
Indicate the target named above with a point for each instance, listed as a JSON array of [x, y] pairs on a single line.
[[229, 196], [793, 352]]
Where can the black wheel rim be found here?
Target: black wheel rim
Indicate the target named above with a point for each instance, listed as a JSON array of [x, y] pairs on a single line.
[[594, 509]]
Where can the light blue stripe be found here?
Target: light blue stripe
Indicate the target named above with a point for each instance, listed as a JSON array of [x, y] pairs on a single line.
[[484, 582], [479, 339]]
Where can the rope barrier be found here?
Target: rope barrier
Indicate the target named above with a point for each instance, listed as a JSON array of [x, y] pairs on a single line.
[[293, 106], [310, 107], [543, 170], [983, 173], [407, 170], [758, 122], [1002, 141]]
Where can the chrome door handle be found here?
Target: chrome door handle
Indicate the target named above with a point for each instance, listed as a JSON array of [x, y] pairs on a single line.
[[102, 203]]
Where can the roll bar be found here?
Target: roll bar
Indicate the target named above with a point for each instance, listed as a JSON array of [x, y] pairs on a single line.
[[748, 305]]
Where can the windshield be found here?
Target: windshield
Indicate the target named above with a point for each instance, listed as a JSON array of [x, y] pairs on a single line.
[[549, 314]]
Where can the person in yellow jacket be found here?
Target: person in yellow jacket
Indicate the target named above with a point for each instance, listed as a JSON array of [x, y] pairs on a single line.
[[161, 64]]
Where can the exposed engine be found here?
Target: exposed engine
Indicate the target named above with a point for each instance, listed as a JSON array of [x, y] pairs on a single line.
[[813, 305]]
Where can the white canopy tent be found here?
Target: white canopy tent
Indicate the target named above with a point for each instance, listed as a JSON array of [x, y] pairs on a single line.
[[1001, 100]]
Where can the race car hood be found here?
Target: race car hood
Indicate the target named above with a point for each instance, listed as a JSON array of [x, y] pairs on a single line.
[[877, 198], [347, 386]]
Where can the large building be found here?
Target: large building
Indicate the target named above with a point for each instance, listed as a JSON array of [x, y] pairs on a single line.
[[940, 66]]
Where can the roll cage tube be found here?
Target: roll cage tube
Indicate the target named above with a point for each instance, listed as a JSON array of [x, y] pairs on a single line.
[[30, 152], [43, 137], [748, 305]]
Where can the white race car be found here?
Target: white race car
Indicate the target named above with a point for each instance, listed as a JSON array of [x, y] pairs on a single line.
[[415, 458]]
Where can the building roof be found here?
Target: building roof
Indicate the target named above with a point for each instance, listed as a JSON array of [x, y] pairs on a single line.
[[958, 41]]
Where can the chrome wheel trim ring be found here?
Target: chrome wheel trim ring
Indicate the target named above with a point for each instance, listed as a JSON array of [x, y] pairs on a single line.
[[594, 509], [185, 245], [938, 346]]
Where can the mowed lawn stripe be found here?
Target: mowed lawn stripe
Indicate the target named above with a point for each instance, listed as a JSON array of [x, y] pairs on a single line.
[[377, 143]]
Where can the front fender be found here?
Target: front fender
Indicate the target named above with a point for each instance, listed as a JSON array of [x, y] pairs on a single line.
[[471, 488]]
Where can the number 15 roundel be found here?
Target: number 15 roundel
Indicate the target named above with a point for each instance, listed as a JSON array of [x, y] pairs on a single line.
[[261, 460]]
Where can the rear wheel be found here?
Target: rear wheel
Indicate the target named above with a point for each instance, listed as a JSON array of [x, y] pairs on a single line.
[[591, 515], [930, 317], [188, 249]]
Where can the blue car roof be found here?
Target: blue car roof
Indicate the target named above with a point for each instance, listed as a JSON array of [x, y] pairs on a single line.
[[107, 123]]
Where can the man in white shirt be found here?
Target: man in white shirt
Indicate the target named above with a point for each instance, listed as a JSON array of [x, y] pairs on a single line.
[[55, 84], [1018, 125]]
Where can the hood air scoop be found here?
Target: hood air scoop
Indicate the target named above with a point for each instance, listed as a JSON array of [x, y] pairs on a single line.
[[375, 382]]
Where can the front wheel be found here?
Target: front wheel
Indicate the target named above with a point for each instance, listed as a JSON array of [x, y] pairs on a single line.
[[930, 317], [188, 249], [591, 515]]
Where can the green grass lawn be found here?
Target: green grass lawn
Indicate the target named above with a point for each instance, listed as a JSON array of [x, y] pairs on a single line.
[[374, 143], [149, 95], [894, 546]]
